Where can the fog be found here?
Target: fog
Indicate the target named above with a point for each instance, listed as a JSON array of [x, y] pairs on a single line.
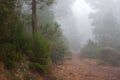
[[72, 15], [60, 39]]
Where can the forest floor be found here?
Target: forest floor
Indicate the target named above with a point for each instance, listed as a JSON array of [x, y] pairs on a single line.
[[85, 69]]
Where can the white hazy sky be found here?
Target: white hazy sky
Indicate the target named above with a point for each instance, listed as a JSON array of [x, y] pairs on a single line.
[[73, 17], [81, 11], [80, 7]]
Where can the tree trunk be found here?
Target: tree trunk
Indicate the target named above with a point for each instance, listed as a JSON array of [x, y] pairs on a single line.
[[34, 17]]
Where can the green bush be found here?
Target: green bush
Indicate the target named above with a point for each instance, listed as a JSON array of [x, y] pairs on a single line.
[[90, 50], [54, 34], [58, 52], [109, 56], [39, 68], [40, 50], [105, 55], [39, 53], [21, 39], [9, 55]]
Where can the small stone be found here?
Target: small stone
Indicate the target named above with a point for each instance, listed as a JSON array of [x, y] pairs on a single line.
[[114, 78]]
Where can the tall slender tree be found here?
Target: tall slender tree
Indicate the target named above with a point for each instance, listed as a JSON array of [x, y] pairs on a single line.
[[34, 18], [34, 15]]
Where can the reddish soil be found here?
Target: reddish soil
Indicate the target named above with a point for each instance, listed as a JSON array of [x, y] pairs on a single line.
[[86, 69]]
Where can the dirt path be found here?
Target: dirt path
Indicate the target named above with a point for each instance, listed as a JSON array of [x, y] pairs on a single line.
[[86, 69]]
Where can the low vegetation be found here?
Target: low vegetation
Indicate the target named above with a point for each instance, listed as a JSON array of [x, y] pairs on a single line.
[[105, 55]]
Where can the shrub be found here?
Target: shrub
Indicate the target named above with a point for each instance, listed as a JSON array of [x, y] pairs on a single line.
[[40, 50], [109, 56], [90, 50], [105, 55], [58, 52], [9, 55], [39, 54], [38, 68]]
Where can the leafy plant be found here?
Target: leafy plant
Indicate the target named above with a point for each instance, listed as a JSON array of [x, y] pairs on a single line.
[[39, 68]]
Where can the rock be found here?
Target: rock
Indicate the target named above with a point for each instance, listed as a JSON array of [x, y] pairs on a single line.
[[71, 74], [59, 68], [114, 78], [79, 68], [51, 78]]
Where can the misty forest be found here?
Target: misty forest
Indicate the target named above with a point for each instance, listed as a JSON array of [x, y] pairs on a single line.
[[59, 39]]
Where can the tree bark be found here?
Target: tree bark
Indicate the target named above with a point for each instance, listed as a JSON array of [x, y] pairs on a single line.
[[34, 17]]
